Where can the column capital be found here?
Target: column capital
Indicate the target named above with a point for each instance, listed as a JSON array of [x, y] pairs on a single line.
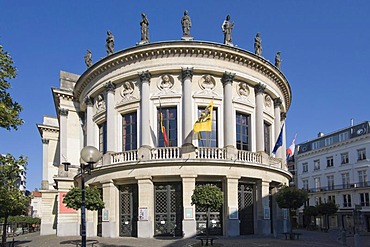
[[45, 141], [283, 115], [89, 101], [277, 102], [260, 88], [109, 86], [228, 77], [145, 76], [63, 111], [187, 73]]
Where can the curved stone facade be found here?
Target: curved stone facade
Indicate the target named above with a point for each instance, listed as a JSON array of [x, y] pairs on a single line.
[[138, 107]]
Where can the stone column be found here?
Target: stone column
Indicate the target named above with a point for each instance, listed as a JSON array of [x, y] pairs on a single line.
[[187, 75], [145, 227], [110, 228], [232, 206], [63, 135], [90, 137], [229, 120], [189, 224], [144, 150], [277, 125], [110, 117], [283, 147], [45, 164], [263, 208], [259, 89]]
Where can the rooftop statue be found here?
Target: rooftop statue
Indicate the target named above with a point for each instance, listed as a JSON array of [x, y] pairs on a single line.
[[144, 24], [186, 24], [227, 28], [109, 43], [278, 60], [258, 45], [88, 58]]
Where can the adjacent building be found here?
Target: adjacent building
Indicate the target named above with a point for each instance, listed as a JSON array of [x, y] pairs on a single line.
[[335, 167], [138, 107]]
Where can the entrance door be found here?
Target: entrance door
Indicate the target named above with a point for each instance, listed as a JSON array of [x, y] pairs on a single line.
[[216, 217], [168, 210], [246, 215], [128, 210]]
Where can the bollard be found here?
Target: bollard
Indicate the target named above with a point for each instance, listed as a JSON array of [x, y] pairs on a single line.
[[344, 238], [357, 240]]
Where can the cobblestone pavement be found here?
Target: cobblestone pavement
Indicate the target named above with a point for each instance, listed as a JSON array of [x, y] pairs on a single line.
[[308, 238]]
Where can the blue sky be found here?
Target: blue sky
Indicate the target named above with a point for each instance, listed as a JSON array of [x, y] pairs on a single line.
[[325, 49]]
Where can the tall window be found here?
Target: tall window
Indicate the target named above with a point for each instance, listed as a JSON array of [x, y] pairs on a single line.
[[330, 182], [242, 131], [361, 154], [205, 138], [347, 202], [317, 184], [344, 158], [331, 199], [129, 131], [267, 137], [169, 122], [305, 167], [305, 184], [103, 137], [329, 161], [316, 165], [362, 178], [345, 180], [329, 141], [364, 199]]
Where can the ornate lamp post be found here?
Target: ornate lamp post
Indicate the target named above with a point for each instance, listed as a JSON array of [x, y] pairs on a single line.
[[89, 156]]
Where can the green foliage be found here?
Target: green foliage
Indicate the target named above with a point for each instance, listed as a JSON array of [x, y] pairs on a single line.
[[207, 196], [93, 200], [12, 200], [291, 197], [9, 109], [20, 219], [310, 211], [328, 208]]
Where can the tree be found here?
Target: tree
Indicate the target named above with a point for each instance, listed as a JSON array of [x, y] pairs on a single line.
[[12, 200], [207, 196], [327, 209], [9, 109], [309, 212], [93, 200], [292, 199]]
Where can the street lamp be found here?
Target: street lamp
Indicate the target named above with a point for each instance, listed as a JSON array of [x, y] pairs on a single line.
[[90, 155]]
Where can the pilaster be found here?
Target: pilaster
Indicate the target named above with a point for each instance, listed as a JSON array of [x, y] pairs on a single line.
[[233, 228], [63, 115], [145, 227], [277, 125], [263, 207], [45, 164], [90, 137], [188, 223], [110, 198]]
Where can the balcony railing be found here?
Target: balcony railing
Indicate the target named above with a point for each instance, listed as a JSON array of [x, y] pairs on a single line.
[[200, 153], [340, 187]]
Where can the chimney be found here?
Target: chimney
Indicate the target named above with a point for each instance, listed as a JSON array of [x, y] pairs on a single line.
[[351, 122], [320, 134]]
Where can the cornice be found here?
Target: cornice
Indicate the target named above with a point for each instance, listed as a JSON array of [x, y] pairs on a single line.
[[188, 49], [333, 146], [61, 94], [47, 128]]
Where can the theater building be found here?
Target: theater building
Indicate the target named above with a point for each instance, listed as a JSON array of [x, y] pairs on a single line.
[[115, 105]]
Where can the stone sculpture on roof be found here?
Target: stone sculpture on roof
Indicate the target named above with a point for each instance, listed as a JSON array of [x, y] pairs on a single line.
[[227, 27], [144, 24], [258, 45], [88, 58], [109, 43], [186, 24]]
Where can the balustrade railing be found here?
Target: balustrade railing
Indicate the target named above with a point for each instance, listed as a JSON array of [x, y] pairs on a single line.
[[209, 153], [126, 156], [166, 153], [248, 156]]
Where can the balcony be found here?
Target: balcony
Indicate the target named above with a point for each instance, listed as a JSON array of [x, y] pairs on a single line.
[[209, 154], [340, 187]]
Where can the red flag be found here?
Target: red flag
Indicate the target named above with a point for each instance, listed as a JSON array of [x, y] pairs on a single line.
[[164, 132]]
